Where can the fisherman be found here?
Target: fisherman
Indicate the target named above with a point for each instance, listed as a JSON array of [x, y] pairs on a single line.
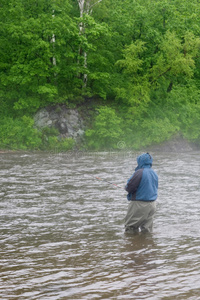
[[142, 189]]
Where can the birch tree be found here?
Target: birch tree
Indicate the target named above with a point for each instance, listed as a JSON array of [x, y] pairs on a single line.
[[85, 8]]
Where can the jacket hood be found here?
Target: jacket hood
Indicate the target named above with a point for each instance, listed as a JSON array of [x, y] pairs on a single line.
[[145, 160]]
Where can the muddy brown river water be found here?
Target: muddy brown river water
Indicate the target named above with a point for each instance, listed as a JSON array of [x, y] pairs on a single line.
[[62, 232]]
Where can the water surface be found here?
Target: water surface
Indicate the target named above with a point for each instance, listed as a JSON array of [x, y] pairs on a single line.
[[62, 231]]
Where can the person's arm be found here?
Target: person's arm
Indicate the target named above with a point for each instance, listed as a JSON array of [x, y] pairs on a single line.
[[134, 182]]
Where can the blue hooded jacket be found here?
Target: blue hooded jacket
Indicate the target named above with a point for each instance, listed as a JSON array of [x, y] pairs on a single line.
[[143, 184]]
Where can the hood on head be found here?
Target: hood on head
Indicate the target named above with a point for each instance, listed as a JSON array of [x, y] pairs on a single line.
[[144, 160]]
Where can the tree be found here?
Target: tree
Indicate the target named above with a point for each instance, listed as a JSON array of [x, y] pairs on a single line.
[[85, 8], [27, 72], [176, 57]]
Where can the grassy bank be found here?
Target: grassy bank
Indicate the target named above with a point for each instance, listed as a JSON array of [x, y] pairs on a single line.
[[107, 128], [20, 134]]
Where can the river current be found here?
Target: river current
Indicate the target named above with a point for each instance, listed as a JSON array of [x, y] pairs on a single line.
[[62, 231]]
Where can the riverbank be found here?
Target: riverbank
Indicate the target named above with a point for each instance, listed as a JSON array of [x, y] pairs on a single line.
[[176, 144], [79, 123], [92, 126]]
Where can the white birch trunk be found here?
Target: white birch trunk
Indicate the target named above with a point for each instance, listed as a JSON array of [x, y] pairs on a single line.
[[53, 40], [85, 77], [85, 6]]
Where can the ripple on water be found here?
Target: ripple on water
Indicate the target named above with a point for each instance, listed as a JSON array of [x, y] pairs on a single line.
[[62, 233]]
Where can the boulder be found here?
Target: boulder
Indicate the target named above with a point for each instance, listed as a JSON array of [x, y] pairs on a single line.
[[68, 121]]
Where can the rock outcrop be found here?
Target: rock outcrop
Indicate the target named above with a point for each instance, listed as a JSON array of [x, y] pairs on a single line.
[[68, 121]]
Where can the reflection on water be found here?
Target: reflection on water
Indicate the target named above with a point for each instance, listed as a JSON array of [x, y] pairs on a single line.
[[62, 232]]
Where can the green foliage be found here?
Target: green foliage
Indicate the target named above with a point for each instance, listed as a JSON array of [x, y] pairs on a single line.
[[32, 73], [132, 62], [139, 56], [150, 131], [51, 141], [61, 145], [184, 103], [110, 129], [176, 56], [106, 130], [20, 134]]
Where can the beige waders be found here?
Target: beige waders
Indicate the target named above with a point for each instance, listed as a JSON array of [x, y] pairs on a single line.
[[140, 216]]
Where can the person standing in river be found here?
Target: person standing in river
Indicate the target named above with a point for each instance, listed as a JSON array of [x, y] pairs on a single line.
[[142, 188]]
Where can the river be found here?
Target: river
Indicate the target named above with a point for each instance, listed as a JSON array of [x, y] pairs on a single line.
[[62, 231]]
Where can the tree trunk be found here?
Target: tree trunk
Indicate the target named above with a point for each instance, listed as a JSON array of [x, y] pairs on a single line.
[[85, 7], [53, 40], [170, 87]]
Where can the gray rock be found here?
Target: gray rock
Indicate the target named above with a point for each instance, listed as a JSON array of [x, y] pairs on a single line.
[[41, 118], [67, 121]]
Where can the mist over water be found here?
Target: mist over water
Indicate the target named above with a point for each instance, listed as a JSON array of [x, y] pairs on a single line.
[[62, 231]]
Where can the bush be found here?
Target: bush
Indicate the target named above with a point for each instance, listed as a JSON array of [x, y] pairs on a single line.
[[20, 134], [111, 131], [149, 132], [185, 105], [60, 145], [107, 130]]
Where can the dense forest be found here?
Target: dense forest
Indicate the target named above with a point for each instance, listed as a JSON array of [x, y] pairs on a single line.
[[137, 61]]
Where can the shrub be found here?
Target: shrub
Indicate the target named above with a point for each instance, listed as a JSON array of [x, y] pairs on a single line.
[[60, 145], [149, 132], [185, 104], [107, 130], [20, 134]]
